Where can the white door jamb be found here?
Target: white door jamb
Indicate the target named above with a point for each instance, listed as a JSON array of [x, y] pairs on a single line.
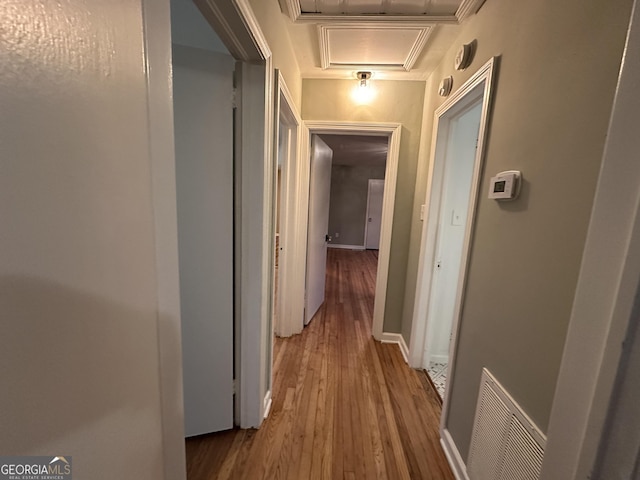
[[288, 324]]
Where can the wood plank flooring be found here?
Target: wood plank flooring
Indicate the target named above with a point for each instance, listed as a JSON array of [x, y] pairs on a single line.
[[345, 407]]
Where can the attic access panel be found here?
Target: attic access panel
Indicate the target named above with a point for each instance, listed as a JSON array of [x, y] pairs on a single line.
[[372, 45], [431, 11], [394, 7]]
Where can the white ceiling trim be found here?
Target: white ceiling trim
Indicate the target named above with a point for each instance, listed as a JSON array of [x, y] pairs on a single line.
[[347, 18], [424, 31], [237, 27], [468, 8], [293, 10]]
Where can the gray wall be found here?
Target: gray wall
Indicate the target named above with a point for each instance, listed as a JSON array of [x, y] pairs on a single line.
[[555, 84], [348, 206]]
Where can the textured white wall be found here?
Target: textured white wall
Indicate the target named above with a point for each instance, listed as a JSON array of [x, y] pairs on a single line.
[[79, 355]]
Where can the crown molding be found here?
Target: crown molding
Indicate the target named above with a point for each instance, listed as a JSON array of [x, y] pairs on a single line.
[[291, 8], [466, 8], [379, 19], [417, 48]]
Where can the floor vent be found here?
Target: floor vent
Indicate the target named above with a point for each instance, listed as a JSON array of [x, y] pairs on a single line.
[[505, 444]]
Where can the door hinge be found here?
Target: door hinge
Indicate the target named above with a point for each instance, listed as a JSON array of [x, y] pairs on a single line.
[[234, 98], [234, 387]]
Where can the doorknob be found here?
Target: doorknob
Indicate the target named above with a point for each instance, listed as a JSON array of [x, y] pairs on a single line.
[[327, 238]]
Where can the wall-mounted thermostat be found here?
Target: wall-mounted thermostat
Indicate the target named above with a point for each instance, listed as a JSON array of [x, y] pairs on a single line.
[[505, 185]]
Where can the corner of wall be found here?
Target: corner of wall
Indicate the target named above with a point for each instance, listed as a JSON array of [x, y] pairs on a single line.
[[276, 30]]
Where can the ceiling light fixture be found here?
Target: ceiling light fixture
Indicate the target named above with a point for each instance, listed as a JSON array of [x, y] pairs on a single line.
[[363, 79], [363, 93]]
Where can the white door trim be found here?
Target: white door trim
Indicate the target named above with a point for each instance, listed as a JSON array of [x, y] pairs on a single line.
[[237, 26], [478, 86], [288, 113], [157, 37], [392, 130]]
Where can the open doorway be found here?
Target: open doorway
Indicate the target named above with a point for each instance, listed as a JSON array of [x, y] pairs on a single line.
[[388, 136], [357, 188], [462, 129], [223, 80], [288, 127], [459, 133], [345, 207]]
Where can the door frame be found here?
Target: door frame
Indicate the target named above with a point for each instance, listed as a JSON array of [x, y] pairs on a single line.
[[157, 37], [390, 130], [238, 28], [433, 217], [287, 112], [366, 222], [480, 85]]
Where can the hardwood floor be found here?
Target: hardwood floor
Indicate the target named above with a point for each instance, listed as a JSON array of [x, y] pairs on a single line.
[[344, 405]]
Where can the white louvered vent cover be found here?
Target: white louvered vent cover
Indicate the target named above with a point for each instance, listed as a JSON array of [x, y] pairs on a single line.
[[505, 444]]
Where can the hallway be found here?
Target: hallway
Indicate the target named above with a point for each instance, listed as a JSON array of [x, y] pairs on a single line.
[[344, 405]]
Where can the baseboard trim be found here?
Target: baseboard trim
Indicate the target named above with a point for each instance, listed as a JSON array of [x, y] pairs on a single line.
[[267, 404], [397, 339], [453, 456], [440, 358], [346, 247]]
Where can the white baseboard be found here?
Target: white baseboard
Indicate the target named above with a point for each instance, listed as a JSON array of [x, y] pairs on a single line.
[[453, 456], [397, 339], [347, 247], [267, 404], [440, 358]]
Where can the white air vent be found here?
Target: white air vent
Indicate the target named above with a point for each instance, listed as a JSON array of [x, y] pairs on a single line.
[[505, 444]]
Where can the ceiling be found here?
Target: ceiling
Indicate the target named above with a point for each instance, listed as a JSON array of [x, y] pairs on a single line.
[[358, 150], [395, 39]]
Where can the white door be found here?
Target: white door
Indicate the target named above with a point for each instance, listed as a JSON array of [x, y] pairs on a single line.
[[319, 192], [458, 174], [203, 115], [374, 214]]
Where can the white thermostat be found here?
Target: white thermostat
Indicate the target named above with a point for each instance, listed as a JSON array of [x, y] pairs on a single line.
[[505, 185]]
